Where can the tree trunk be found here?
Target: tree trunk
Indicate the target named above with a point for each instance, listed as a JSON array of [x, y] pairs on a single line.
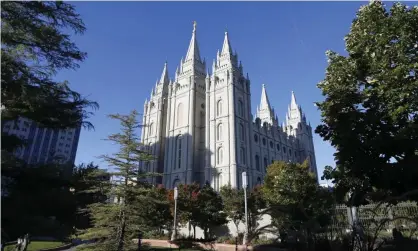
[[122, 232]]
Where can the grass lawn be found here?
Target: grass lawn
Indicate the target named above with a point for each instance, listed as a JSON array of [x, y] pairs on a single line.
[[38, 245]]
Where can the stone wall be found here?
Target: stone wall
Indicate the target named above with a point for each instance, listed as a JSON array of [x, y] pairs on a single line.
[[229, 230]]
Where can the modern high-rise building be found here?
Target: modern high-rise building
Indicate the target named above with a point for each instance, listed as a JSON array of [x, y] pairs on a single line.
[[44, 145], [200, 126]]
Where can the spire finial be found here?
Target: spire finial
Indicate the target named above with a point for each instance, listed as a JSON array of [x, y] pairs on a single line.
[[226, 29], [194, 26]]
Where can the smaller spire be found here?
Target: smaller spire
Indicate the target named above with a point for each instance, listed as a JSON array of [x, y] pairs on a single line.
[[213, 66], [164, 76], [207, 73], [152, 92]]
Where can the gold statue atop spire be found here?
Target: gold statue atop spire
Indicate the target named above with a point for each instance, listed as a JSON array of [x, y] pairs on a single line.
[[194, 26]]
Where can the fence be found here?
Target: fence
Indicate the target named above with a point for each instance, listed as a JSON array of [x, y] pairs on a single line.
[[403, 215]]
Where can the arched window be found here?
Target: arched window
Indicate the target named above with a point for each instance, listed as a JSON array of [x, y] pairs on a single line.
[[240, 108], [179, 114], [220, 156], [219, 132], [151, 129], [178, 146], [242, 155], [257, 162], [219, 108]]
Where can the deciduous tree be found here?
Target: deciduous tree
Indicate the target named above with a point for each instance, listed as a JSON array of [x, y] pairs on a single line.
[[294, 198], [209, 214], [371, 101]]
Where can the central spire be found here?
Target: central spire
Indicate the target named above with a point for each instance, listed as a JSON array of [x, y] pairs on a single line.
[[193, 51]]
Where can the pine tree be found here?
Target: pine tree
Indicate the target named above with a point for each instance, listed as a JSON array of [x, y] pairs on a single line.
[[35, 45], [115, 225]]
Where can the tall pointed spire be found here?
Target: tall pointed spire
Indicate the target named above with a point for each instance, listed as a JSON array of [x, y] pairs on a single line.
[[293, 104], [193, 51], [264, 103], [164, 76], [226, 48]]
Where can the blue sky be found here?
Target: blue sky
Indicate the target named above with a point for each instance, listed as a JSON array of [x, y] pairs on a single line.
[[281, 45]]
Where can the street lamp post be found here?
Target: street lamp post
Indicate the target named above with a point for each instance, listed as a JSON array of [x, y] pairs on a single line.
[[176, 195], [244, 186]]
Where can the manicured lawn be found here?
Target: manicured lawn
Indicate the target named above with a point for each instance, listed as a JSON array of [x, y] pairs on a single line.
[[38, 245]]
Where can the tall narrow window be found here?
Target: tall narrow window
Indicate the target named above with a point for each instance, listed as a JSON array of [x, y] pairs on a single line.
[[151, 129], [240, 108], [242, 154], [241, 132], [179, 121], [257, 162], [219, 108], [178, 143], [265, 163], [219, 132], [220, 155]]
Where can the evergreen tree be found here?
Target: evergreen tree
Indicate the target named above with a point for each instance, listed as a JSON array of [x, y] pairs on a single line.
[[27, 206], [370, 109], [115, 225], [89, 184], [34, 47]]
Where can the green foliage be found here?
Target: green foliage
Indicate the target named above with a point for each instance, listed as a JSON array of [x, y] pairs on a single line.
[[371, 101], [234, 207], [293, 197], [210, 211], [34, 47], [116, 224], [233, 200], [186, 202], [156, 212], [38, 201], [201, 207], [91, 185]]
